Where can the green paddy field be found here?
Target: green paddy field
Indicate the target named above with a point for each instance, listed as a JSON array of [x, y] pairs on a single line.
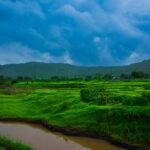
[[59, 104]]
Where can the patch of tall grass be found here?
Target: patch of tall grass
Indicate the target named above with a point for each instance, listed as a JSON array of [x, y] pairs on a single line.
[[7, 144]]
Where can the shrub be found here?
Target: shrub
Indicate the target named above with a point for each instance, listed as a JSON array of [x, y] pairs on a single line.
[[137, 74], [64, 106], [9, 91], [146, 87], [96, 95], [136, 101], [146, 95], [115, 99]]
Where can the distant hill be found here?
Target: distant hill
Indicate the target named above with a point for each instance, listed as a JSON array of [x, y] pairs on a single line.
[[37, 69]]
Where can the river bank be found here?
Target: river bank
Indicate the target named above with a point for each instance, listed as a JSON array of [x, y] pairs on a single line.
[[73, 132]]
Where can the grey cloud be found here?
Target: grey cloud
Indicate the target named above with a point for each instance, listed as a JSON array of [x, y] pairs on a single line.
[[19, 53]]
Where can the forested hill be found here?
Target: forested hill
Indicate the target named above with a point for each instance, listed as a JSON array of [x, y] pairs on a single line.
[[37, 69]]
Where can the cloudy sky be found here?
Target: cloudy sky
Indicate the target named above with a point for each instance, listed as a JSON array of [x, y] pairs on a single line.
[[81, 32]]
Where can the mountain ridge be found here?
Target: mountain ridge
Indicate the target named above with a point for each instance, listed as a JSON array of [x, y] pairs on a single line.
[[40, 69]]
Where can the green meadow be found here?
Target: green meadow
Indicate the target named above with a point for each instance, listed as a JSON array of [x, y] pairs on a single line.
[[125, 117]]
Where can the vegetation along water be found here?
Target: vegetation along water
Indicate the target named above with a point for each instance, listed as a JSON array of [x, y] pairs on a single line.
[[116, 111]]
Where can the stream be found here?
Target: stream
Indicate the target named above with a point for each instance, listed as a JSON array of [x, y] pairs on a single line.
[[40, 138]]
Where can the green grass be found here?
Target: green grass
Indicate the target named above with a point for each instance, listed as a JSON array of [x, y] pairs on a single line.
[[7, 144], [63, 108]]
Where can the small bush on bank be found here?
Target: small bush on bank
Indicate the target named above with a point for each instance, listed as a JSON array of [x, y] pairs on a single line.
[[116, 99], [136, 101], [146, 95], [96, 95], [146, 87], [100, 96]]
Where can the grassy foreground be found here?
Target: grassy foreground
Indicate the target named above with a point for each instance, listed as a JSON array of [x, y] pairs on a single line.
[[62, 107], [6, 144]]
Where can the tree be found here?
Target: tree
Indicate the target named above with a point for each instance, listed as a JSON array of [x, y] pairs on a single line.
[[107, 77], [98, 76], [88, 78], [124, 76], [14, 81], [20, 78], [2, 79], [137, 74], [27, 79], [55, 78], [146, 76]]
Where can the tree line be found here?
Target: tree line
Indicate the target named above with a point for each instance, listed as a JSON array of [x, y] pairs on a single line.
[[132, 75]]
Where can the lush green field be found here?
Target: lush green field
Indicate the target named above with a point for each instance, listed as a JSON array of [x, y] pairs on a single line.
[[59, 104], [6, 144]]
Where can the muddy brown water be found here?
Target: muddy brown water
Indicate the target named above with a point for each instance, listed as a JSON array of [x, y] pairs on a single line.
[[40, 138]]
